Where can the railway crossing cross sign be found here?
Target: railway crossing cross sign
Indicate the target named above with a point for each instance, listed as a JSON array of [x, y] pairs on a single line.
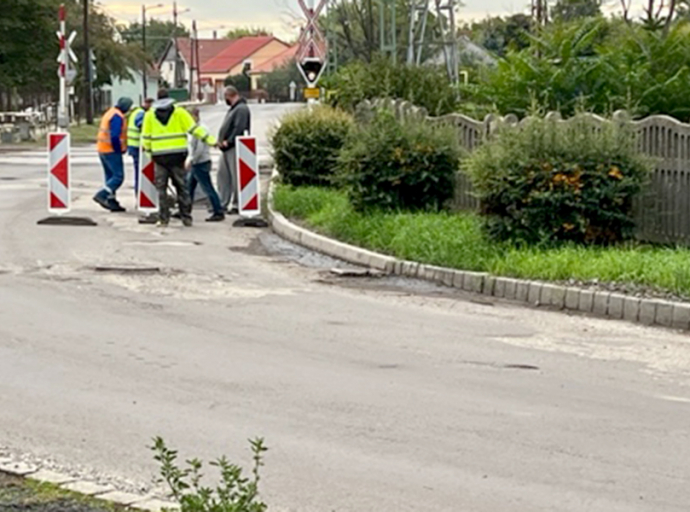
[[311, 55]]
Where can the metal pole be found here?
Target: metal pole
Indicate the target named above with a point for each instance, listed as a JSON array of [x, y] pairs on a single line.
[[88, 94], [192, 63], [175, 40], [198, 64], [63, 115], [143, 43]]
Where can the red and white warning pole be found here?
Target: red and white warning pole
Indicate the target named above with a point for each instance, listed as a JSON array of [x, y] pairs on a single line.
[[59, 197], [247, 176], [62, 72], [147, 197]]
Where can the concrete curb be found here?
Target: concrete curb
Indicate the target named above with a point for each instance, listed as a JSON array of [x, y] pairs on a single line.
[[675, 315], [101, 492]]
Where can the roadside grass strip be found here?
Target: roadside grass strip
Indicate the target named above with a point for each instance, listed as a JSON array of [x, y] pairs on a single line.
[[456, 240]]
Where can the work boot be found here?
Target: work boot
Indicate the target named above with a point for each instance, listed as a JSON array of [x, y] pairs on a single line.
[[102, 199], [233, 211], [216, 217], [187, 221], [162, 224]]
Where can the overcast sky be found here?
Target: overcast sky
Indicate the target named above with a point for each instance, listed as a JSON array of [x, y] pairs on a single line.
[[276, 15], [272, 14]]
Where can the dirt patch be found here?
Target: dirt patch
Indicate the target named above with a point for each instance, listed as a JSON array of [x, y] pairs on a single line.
[[23, 495]]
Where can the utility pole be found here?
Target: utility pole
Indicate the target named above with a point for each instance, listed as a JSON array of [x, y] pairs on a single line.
[[143, 45], [88, 92], [193, 64], [177, 57]]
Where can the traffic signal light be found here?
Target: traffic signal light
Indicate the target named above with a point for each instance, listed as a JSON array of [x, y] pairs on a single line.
[[311, 69]]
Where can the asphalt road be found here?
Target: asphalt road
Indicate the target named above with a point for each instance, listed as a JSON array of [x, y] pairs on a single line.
[[373, 395]]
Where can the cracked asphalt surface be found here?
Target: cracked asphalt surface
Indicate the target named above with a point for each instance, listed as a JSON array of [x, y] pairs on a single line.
[[373, 394]]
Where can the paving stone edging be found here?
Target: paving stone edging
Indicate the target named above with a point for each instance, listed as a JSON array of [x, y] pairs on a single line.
[[612, 305], [106, 493]]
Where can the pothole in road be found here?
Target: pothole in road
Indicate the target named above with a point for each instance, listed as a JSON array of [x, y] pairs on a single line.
[[520, 367], [166, 243], [8, 178], [126, 269]]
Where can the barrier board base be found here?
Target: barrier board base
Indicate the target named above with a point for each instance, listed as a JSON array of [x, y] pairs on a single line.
[[250, 222], [62, 220], [149, 219]]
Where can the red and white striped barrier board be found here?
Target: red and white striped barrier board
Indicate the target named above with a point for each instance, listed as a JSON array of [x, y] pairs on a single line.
[[147, 198], [58, 173], [247, 176]]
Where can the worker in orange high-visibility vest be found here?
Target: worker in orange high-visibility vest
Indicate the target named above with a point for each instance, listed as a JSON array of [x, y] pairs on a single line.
[[112, 144]]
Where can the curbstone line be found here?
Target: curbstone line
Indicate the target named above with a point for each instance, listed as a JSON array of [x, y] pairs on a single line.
[[572, 298], [17, 468], [51, 477], [586, 304], [681, 316], [601, 303], [647, 312], [631, 309], [88, 488], [122, 498], [459, 279], [500, 287], [664, 313], [511, 289], [155, 505], [534, 293], [616, 305], [522, 291]]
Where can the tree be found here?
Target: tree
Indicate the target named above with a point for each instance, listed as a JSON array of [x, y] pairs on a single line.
[[158, 34], [499, 35], [237, 33], [277, 82], [570, 10]]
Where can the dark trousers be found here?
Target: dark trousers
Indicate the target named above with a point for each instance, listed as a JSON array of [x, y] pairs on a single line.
[[172, 169], [201, 175], [113, 169]]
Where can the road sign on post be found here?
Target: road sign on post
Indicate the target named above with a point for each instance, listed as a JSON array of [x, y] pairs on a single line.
[[311, 55]]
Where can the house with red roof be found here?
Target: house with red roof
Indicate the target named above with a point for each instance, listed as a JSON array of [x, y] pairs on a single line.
[[221, 58]]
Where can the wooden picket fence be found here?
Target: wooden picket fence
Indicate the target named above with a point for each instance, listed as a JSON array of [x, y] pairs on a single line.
[[662, 213]]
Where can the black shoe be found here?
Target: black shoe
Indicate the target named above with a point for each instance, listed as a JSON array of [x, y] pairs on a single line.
[[115, 207], [216, 217], [233, 211], [187, 222], [103, 201]]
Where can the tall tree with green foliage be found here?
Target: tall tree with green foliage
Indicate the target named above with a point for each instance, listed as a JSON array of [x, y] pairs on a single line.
[[237, 33], [158, 34], [570, 10]]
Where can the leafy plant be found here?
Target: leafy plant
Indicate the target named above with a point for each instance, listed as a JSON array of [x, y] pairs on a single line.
[[307, 143], [550, 181], [399, 165], [424, 86], [234, 492]]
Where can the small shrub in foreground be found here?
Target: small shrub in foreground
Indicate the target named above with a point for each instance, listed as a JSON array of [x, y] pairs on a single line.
[[234, 493], [552, 182], [307, 143], [399, 165]]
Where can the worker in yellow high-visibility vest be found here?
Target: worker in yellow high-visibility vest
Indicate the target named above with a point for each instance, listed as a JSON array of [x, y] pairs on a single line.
[[164, 137], [135, 123]]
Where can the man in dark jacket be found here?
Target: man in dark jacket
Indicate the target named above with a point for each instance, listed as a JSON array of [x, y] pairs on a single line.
[[237, 122]]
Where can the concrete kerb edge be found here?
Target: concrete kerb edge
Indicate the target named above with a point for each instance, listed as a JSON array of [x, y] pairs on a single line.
[[71, 483], [671, 314]]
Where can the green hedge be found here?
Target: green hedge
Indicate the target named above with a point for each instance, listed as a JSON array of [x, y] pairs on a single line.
[[551, 182], [307, 143], [399, 165]]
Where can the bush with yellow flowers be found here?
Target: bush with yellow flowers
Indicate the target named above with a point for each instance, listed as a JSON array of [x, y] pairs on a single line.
[[547, 181]]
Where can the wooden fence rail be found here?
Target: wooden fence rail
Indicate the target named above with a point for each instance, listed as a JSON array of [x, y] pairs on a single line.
[[662, 212]]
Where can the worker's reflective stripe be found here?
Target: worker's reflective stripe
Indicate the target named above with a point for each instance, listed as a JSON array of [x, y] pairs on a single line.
[[168, 137], [169, 151]]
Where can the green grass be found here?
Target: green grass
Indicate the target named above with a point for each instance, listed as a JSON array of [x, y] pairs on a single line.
[[84, 133], [457, 241]]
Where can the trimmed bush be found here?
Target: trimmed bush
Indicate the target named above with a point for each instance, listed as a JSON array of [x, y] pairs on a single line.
[[399, 165], [307, 143], [549, 181], [423, 86]]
